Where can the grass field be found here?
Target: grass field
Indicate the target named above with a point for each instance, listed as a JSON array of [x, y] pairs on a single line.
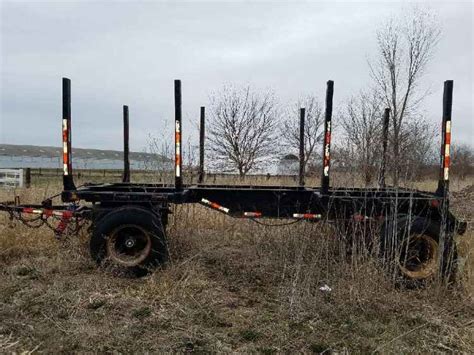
[[230, 286]]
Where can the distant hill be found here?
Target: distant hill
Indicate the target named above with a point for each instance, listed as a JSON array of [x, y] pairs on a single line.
[[22, 156]]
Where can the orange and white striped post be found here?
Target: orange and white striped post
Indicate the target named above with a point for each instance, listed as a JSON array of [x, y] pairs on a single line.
[[68, 181], [178, 178], [327, 138], [445, 156]]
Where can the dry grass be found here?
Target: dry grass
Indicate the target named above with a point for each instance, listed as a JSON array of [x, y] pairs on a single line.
[[231, 286]]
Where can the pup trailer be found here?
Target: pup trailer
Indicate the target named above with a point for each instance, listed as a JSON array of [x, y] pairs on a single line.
[[128, 220]]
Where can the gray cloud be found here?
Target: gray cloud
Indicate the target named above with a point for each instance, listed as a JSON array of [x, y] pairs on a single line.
[[129, 53]]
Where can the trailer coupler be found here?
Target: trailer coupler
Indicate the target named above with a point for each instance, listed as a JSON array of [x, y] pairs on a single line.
[[60, 219]]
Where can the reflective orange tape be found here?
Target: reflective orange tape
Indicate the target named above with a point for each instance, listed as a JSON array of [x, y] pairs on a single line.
[[306, 215], [215, 206], [448, 138], [447, 161]]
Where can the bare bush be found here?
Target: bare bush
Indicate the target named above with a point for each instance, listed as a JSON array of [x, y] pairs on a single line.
[[164, 153], [417, 146], [361, 123], [241, 130], [462, 156]]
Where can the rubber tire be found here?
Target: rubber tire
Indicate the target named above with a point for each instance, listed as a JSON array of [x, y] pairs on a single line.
[[135, 215], [419, 225]]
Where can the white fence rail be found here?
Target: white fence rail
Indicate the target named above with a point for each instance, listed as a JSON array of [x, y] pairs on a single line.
[[10, 178]]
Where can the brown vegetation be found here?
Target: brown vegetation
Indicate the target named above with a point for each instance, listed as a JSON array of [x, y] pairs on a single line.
[[231, 285]]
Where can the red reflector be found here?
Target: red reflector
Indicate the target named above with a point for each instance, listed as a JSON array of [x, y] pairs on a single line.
[[435, 203]]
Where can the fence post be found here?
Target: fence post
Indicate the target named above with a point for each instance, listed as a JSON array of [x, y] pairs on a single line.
[[126, 159], [178, 178], [327, 138], [28, 178], [386, 121], [202, 137], [301, 157]]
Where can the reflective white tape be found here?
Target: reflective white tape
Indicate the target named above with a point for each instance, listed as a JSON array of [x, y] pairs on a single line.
[[252, 214], [215, 205], [306, 215], [326, 171]]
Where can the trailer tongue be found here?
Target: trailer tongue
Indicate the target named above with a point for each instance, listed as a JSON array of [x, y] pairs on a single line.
[[129, 219]]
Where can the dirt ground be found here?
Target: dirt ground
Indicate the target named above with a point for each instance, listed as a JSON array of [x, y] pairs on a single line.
[[230, 286]]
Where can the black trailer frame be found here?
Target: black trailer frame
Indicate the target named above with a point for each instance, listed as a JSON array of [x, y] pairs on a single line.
[[93, 201]]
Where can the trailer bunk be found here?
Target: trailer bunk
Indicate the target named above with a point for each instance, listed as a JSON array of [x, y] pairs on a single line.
[[129, 219]]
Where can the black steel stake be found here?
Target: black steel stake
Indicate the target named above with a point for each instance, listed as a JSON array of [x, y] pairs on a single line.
[[327, 138], [301, 173], [126, 152], [178, 178], [386, 121], [202, 137], [445, 156], [68, 181]]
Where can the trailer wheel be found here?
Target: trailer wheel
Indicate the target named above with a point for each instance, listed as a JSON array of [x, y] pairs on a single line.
[[129, 237], [410, 250]]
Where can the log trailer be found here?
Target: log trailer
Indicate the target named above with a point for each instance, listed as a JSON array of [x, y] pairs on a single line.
[[128, 229]]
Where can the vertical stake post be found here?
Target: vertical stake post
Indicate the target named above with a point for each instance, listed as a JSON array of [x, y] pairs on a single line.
[[445, 156], [202, 136], [126, 147], [386, 121], [27, 177], [327, 138], [301, 158], [178, 179], [68, 182]]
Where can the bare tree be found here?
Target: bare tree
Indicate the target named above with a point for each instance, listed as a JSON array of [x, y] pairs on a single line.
[[417, 146], [405, 48], [313, 129], [241, 131], [163, 153], [361, 123]]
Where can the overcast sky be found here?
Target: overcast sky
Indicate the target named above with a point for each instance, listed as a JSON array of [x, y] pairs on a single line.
[[120, 53]]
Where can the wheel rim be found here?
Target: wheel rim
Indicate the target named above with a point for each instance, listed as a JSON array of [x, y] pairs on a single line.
[[419, 257], [129, 245]]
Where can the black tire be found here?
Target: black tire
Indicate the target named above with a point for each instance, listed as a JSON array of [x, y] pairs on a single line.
[[131, 237], [410, 251]]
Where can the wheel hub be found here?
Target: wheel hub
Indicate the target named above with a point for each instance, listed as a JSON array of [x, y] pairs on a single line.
[[130, 242], [129, 245]]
